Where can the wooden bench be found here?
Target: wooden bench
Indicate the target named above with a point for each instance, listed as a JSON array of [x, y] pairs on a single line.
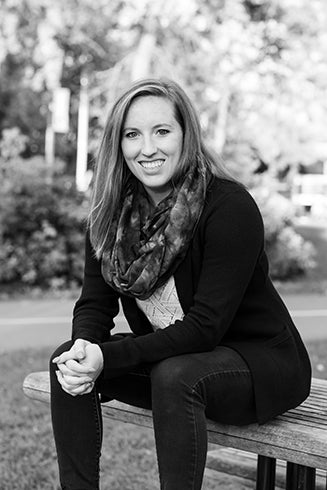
[[298, 438]]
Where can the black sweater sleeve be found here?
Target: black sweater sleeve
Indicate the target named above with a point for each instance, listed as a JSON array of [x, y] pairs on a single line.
[[97, 305], [232, 231]]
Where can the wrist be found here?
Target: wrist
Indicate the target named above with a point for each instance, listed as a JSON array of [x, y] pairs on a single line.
[[100, 355]]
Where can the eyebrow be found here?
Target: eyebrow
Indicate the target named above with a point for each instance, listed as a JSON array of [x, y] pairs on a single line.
[[132, 128]]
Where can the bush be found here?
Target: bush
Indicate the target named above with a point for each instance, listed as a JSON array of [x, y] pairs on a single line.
[[42, 227], [288, 253]]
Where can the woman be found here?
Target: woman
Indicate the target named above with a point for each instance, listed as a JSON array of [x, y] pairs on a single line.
[[181, 245]]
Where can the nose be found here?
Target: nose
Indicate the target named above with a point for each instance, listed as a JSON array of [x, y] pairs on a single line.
[[149, 146]]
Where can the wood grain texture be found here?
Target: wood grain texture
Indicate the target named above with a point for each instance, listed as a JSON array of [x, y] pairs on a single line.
[[244, 465], [298, 436]]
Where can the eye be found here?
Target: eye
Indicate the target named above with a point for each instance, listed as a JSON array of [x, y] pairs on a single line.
[[163, 131], [131, 134]]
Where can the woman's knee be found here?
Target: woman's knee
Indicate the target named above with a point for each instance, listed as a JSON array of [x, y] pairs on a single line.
[[59, 350], [171, 387], [171, 373]]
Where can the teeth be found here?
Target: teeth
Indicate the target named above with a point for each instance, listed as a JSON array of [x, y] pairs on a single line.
[[151, 164]]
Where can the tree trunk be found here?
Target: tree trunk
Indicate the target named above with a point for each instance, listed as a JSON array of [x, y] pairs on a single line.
[[141, 67]]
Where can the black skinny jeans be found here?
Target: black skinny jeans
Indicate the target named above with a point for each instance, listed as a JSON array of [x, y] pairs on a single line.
[[181, 391]]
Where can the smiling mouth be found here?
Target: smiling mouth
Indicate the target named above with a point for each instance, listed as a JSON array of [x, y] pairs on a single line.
[[151, 163]]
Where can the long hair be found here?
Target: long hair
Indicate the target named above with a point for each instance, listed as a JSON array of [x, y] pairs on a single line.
[[112, 177]]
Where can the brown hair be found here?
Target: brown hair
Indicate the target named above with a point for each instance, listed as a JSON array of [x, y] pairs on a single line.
[[112, 176]]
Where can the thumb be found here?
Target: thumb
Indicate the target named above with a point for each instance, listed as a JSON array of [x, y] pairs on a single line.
[[80, 349]]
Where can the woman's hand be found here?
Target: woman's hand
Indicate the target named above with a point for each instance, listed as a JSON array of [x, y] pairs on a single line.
[[79, 367], [74, 385], [76, 352]]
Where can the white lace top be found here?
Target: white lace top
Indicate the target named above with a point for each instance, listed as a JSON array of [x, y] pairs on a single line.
[[163, 307]]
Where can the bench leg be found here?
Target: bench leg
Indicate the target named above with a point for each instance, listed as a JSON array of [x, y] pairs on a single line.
[[300, 477], [266, 470]]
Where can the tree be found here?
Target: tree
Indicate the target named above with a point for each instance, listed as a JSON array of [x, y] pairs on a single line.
[[255, 69], [249, 65], [46, 44]]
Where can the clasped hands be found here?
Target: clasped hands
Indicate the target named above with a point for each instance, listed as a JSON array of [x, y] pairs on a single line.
[[79, 367]]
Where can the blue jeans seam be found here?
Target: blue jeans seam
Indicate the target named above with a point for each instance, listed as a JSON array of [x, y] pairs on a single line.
[[194, 446], [99, 435]]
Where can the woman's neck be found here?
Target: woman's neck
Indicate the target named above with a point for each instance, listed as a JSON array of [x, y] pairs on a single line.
[[155, 197]]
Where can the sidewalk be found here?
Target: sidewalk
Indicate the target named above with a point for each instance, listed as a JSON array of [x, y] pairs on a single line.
[[38, 323]]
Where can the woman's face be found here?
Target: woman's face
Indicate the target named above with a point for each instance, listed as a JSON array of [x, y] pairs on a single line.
[[152, 141]]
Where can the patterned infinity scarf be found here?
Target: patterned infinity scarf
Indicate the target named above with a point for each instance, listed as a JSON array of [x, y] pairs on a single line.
[[150, 243]]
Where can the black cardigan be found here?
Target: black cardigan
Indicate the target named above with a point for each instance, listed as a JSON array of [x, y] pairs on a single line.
[[227, 298]]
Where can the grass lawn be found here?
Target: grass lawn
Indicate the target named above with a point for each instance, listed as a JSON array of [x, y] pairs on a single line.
[[27, 454]]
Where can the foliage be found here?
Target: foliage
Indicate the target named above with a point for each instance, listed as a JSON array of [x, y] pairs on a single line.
[[46, 44], [255, 69], [13, 143], [42, 230], [288, 253]]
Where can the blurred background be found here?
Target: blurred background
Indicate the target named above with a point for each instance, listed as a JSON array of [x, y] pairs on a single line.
[[255, 69]]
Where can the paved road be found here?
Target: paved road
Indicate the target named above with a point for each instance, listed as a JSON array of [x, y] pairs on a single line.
[[29, 323]]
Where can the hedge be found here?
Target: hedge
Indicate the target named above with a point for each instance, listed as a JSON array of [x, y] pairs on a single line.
[[42, 228]]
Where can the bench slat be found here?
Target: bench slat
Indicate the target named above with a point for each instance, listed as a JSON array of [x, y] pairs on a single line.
[[302, 419], [295, 436]]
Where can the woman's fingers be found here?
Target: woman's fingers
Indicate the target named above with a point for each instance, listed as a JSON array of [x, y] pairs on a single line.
[[63, 357], [87, 389], [66, 371], [79, 368], [68, 391], [73, 381], [84, 391], [74, 368], [79, 348], [73, 385], [77, 351]]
